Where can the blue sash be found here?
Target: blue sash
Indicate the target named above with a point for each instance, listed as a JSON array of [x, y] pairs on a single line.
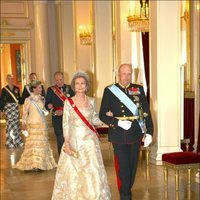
[[40, 112], [128, 103]]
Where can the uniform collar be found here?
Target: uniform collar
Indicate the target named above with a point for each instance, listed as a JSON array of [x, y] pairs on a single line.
[[124, 86]]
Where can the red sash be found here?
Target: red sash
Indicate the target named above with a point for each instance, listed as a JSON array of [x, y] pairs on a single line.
[[59, 93], [82, 117]]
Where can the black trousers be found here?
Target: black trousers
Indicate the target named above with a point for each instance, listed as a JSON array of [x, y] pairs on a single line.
[[126, 160], [58, 130]]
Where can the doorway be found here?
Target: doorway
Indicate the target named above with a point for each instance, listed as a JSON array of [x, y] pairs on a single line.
[[12, 63]]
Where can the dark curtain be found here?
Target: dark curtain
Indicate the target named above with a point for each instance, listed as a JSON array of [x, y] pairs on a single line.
[[145, 43], [198, 144], [189, 121]]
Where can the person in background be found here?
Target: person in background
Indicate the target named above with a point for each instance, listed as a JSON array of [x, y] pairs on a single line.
[[129, 122], [1, 108], [81, 173], [26, 91], [37, 154], [10, 95], [55, 97]]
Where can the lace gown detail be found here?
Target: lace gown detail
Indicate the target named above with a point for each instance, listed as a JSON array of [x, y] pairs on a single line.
[[37, 152], [82, 178]]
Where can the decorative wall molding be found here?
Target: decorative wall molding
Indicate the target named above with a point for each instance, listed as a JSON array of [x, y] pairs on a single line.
[[9, 31], [14, 9]]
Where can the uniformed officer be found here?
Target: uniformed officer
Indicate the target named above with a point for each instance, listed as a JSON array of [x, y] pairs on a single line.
[[26, 91], [124, 108], [55, 97]]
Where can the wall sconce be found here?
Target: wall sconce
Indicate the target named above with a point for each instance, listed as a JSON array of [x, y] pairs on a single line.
[[85, 34], [139, 20]]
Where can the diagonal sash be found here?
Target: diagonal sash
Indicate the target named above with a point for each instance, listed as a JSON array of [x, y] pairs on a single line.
[[59, 93], [128, 103], [40, 111], [124, 98], [13, 96], [82, 117]]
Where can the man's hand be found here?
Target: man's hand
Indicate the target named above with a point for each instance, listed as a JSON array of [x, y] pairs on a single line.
[[147, 140], [59, 112], [124, 124]]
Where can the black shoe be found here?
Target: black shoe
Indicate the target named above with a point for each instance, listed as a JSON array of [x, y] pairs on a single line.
[[35, 170]]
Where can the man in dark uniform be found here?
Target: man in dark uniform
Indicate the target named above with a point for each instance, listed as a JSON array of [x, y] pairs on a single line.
[[55, 98], [26, 91], [124, 108]]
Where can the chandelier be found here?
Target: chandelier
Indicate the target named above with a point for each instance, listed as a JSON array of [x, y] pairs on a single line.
[[85, 34], [139, 20]]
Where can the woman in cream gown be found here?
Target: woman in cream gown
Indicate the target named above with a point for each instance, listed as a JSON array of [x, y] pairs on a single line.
[[37, 154], [81, 177]]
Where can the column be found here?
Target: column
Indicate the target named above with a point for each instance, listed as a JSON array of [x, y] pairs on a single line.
[[42, 53], [195, 61], [66, 38], [103, 52], [165, 77]]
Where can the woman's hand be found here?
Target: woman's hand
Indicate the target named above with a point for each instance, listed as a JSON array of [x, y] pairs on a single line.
[[109, 113], [67, 148], [23, 127]]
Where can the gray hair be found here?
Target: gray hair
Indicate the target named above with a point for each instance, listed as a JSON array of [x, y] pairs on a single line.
[[80, 74], [58, 73]]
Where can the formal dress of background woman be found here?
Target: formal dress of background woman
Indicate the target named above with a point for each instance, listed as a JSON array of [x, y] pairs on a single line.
[[37, 154], [10, 106], [80, 173]]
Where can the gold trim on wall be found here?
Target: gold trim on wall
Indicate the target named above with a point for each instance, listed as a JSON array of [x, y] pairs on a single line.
[[187, 18], [93, 48], [75, 34]]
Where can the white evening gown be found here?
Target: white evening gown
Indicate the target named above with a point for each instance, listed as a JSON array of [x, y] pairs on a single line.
[[37, 151], [82, 178]]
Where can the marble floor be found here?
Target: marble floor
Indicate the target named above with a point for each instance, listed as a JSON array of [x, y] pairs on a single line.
[[19, 185]]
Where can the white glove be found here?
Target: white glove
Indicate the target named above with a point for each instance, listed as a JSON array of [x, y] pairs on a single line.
[[147, 140], [25, 133], [124, 124], [46, 112]]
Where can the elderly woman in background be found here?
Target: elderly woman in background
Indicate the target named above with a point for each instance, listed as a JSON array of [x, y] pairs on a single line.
[[10, 106], [81, 173], [37, 154]]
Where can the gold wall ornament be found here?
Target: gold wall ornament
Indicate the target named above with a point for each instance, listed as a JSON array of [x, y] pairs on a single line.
[[4, 22], [138, 21], [7, 34], [85, 34]]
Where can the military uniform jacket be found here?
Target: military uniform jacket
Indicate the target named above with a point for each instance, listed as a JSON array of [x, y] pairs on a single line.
[[52, 98], [111, 103], [26, 94], [6, 96]]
